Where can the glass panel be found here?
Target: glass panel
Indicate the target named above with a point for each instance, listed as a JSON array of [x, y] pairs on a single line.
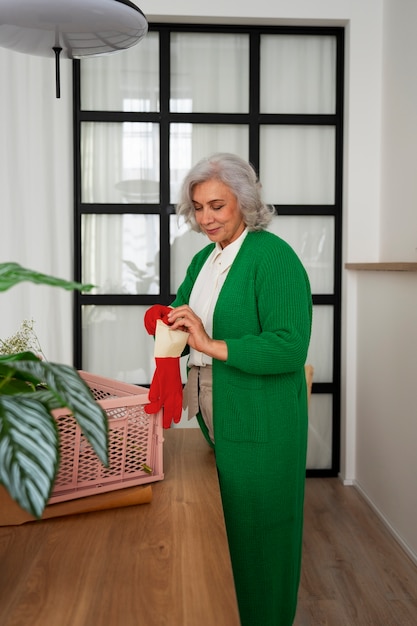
[[120, 162], [185, 243], [319, 449], [116, 344], [191, 142], [201, 81], [120, 253], [128, 81], [320, 352], [297, 164], [303, 69], [312, 238]]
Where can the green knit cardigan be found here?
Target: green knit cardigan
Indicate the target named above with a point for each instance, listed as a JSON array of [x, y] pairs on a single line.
[[264, 314]]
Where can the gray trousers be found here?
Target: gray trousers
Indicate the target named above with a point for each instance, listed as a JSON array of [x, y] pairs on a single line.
[[198, 395]]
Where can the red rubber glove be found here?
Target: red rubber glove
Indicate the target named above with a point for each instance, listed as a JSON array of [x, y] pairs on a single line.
[[166, 386], [166, 390], [156, 312]]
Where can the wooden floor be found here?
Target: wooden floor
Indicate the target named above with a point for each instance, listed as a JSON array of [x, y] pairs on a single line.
[[354, 572]]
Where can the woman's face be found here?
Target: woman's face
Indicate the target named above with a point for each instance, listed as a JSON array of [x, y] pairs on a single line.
[[217, 212]]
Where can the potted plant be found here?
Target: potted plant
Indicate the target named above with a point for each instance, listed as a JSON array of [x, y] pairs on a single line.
[[31, 388]]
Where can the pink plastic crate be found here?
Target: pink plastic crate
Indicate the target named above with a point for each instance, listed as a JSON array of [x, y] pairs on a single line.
[[135, 443]]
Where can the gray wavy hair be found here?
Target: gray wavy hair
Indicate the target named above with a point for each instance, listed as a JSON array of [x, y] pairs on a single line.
[[239, 176]]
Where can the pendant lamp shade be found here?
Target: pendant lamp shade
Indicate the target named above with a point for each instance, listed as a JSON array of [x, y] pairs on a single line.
[[80, 27], [70, 28]]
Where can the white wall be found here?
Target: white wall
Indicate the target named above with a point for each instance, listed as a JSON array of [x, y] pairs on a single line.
[[386, 342], [379, 219], [398, 237], [387, 398]]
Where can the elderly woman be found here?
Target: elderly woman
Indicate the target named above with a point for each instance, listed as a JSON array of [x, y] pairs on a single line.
[[245, 303]]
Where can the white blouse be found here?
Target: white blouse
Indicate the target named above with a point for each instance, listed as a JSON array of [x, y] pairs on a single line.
[[206, 290]]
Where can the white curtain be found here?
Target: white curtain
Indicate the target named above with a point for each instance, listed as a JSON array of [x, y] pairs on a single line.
[[36, 195]]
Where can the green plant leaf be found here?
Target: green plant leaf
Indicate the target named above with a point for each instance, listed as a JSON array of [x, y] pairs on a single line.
[[78, 397], [66, 389], [20, 356], [12, 273], [30, 391], [28, 451], [13, 386], [12, 380]]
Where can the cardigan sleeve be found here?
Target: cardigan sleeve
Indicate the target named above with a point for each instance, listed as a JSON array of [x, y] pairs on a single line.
[[276, 314]]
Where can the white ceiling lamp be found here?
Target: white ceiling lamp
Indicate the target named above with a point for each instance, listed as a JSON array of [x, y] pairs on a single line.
[[70, 29]]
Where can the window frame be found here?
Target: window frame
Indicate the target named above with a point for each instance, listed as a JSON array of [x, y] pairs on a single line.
[[254, 119]]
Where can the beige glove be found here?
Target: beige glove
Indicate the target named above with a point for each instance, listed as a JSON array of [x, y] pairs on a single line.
[[169, 342]]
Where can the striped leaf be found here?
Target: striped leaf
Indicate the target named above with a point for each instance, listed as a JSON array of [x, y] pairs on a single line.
[[29, 451], [66, 389], [29, 439]]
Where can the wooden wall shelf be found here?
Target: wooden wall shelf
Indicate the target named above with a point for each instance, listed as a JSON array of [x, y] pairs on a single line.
[[398, 266]]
